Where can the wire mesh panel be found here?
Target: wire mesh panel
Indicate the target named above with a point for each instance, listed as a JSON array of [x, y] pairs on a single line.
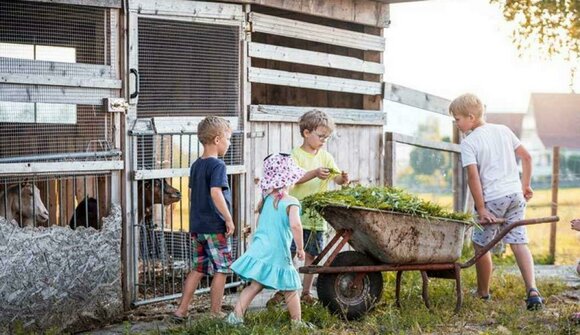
[[188, 68], [53, 134], [42, 44], [55, 32]]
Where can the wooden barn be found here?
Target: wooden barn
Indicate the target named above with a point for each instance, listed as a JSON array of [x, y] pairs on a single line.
[[100, 99]]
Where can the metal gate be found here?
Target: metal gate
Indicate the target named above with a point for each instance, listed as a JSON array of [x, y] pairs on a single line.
[[185, 64]]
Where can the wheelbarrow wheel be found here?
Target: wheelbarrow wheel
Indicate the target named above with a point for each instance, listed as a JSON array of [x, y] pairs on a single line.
[[339, 292]]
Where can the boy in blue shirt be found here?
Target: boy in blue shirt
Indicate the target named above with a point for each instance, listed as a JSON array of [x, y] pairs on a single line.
[[210, 219]]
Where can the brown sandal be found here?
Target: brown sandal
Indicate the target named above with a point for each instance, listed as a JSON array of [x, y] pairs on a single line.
[[308, 299], [276, 299]]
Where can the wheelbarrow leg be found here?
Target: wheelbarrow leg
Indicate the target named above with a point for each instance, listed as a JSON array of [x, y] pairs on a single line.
[[398, 289], [425, 292], [458, 287]]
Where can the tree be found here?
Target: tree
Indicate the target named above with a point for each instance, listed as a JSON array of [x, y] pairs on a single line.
[[550, 28]]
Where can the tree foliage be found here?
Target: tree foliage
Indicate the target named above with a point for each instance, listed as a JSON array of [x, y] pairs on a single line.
[[548, 27]]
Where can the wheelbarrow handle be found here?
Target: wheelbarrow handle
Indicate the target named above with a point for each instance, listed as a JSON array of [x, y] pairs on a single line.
[[503, 233]]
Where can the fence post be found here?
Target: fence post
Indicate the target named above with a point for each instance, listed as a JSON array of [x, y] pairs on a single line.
[[390, 159], [554, 211]]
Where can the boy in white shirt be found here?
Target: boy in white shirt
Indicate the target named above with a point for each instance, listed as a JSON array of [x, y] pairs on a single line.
[[489, 153]]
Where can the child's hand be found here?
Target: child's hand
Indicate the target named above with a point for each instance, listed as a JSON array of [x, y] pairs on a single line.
[[246, 231], [575, 224], [230, 228], [322, 173], [300, 254], [528, 192], [485, 216], [345, 178]]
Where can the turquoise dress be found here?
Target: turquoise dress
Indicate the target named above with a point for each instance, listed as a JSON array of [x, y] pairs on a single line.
[[268, 260]]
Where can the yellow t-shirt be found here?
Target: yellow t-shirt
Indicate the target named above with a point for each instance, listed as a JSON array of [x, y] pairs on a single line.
[[309, 162]]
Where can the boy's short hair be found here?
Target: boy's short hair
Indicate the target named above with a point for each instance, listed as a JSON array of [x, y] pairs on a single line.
[[465, 105], [211, 127], [314, 119]]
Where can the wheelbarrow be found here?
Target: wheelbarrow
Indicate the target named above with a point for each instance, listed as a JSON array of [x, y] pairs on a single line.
[[350, 282]]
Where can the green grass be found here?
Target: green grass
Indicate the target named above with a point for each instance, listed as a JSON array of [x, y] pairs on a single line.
[[506, 312]]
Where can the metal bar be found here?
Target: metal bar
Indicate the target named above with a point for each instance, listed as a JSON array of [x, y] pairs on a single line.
[[458, 287], [345, 238], [72, 155], [183, 172], [329, 246], [177, 296], [398, 289], [502, 233], [375, 268], [61, 167], [425, 289]]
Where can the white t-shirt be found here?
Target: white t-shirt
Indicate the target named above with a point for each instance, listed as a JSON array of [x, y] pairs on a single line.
[[492, 147]]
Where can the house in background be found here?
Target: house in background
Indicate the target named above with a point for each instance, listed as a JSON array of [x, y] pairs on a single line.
[[553, 119]]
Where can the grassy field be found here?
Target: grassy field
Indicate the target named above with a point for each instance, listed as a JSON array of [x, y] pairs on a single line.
[[567, 241]]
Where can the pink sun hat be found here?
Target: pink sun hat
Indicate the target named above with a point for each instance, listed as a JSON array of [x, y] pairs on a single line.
[[280, 170]]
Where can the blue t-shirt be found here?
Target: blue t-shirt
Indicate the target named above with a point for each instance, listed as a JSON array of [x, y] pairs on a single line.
[[204, 217]]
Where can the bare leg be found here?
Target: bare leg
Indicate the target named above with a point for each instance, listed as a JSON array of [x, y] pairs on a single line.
[[483, 268], [526, 264], [308, 278], [217, 292], [293, 303], [189, 288], [246, 298]]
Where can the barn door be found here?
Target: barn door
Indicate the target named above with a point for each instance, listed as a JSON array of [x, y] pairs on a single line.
[[184, 64]]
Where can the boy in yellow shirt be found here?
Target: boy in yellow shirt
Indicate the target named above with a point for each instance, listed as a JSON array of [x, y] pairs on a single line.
[[315, 127]]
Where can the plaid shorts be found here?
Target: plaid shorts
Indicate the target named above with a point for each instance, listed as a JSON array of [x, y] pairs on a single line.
[[511, 207], [211, 253]]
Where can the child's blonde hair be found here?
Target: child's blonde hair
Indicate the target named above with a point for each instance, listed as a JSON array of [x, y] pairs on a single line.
[[314, 119], [211, 127], [465, 105]]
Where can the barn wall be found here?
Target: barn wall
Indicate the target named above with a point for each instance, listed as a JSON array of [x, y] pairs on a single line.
[[60, 278]]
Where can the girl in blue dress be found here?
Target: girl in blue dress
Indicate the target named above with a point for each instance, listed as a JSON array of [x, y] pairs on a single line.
[[267, 262]]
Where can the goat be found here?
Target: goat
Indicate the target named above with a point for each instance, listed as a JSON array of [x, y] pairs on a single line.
[[162, 193], [23, 201]]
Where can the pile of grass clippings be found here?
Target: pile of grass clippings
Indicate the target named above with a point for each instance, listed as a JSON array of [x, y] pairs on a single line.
[[384, 198]]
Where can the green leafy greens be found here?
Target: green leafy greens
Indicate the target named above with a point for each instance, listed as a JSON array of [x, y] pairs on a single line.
[[384, 198]]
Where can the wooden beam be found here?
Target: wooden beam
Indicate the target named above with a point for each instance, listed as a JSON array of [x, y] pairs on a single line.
[[291, 55], [419, 142], [184, 8], [283, 78], [273, 113], [314, 32], [411, 97], [18, 66], [92, 3], [72, 167], [29, 79], [56, 94], [361, 12]]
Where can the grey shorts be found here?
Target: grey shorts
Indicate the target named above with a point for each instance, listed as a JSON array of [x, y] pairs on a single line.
[[511, 207]]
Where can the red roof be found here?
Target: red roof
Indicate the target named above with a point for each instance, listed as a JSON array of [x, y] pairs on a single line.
[[512, 120], [557, 118]]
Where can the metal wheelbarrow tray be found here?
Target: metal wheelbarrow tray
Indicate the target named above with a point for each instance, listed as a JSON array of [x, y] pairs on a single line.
[[350, 283]]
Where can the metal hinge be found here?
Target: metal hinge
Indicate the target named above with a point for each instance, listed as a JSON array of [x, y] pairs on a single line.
[[256, 134]]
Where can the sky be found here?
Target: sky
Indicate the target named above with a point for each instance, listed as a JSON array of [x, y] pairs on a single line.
[[449, 47]]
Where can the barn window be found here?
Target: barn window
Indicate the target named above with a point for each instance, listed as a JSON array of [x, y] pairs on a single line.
[[28, 112]]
